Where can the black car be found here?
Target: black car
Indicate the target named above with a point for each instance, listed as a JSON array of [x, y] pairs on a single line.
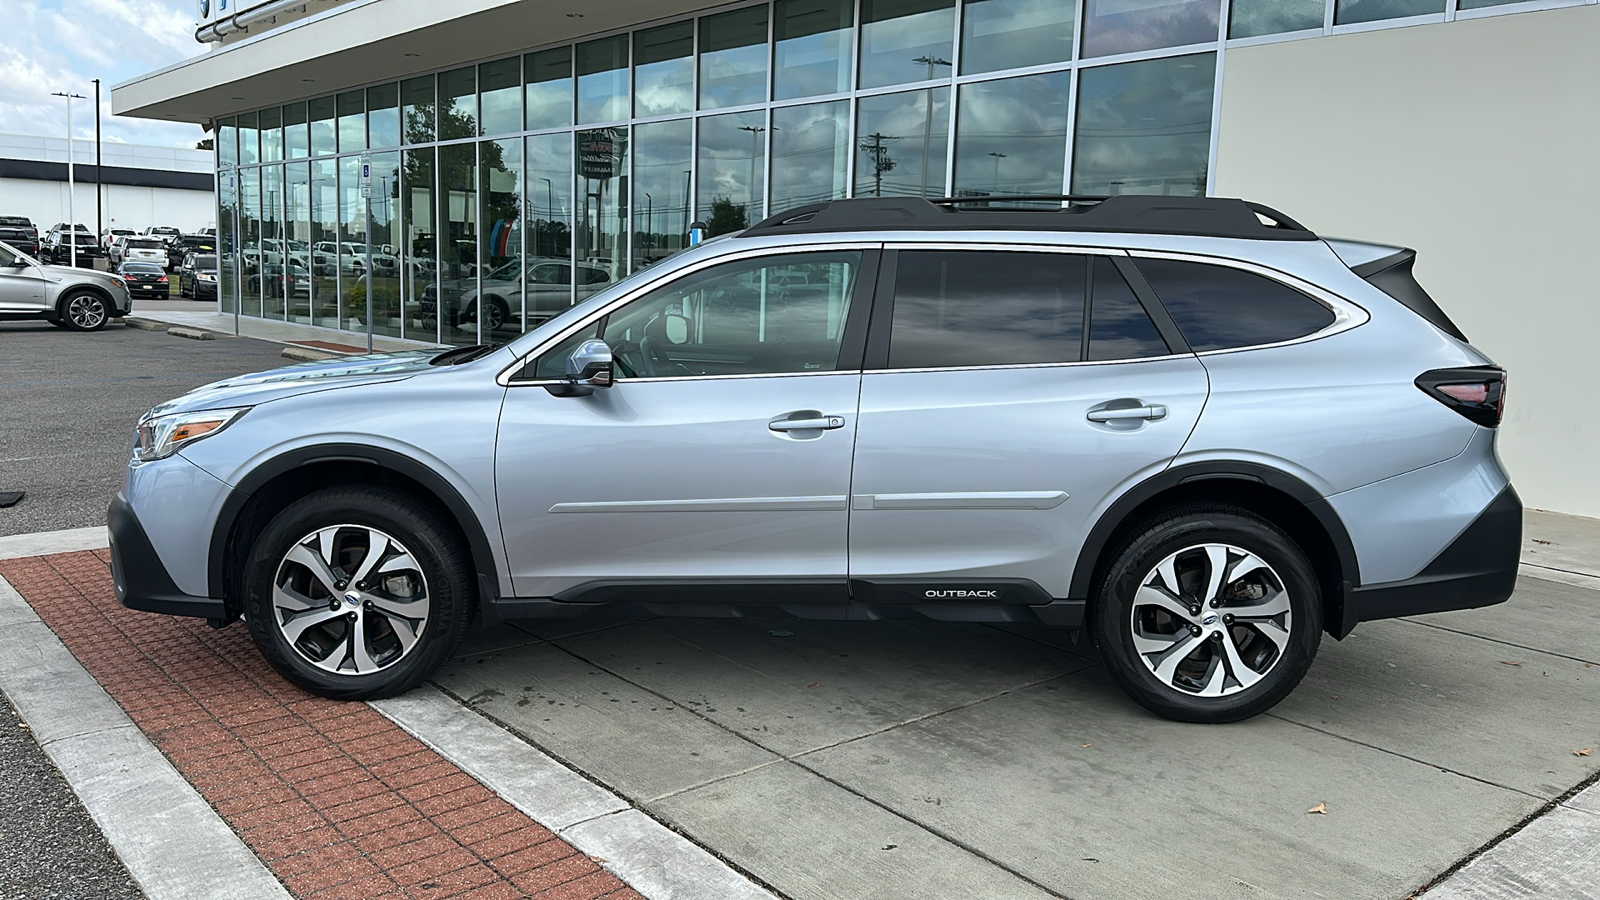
[[56, 248], [146, 280], [20, 237], [197, 276]]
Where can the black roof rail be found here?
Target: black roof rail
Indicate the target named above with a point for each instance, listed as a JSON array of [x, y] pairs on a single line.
[[1124, 213]]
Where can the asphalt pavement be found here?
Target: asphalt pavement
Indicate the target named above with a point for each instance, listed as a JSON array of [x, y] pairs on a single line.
[[51, 847], [69, 401]]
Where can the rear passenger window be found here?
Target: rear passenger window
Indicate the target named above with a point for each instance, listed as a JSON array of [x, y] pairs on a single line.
[[976, 308], [1119, 328], [1218, 308]]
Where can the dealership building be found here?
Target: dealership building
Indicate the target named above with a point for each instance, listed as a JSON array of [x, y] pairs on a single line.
[[477, 141]]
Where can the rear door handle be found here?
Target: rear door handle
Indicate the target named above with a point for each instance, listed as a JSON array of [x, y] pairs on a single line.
[[813, 423], [1151, 412]]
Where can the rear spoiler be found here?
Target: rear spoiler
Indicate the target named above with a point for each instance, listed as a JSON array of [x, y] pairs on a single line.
[[1392, 274]]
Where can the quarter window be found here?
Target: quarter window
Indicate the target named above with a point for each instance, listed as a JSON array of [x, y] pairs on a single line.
[[777, 314], [1218, 308], [1119, 328], [977, 308]]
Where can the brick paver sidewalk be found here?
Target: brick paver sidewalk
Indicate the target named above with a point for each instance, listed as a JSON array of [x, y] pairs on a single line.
[[338, 801]]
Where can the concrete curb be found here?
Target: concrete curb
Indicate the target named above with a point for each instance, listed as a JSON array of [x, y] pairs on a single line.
[[17, 546], [174, 844], [652, 858], [146, 324], [306, 354], [1556, 855], [193, 334]]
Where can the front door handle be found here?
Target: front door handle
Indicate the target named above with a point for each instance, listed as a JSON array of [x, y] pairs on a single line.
[[811, 422], [1151, 412]]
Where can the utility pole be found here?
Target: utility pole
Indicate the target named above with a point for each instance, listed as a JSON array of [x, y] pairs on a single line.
[[98, 174], [72, 214], [873, 144]]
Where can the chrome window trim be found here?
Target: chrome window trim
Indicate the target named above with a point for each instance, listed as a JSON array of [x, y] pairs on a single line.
[[991, 245], [1047, 365], [1347, 314], [505, 379]]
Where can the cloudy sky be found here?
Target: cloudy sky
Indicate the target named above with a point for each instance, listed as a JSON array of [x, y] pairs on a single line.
[[62, 45]]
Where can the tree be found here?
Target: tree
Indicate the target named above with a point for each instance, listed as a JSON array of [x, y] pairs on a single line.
[[204, 144], [726, 216]]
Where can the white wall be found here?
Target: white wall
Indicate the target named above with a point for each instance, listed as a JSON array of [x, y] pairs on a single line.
[[1477, 143], [45, 202]]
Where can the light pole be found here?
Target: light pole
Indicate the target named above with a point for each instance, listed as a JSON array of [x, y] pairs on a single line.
[[98, 175], [997, 157], [72, 191], [755, 140], [927, 120], [649, 223], [550, 211]]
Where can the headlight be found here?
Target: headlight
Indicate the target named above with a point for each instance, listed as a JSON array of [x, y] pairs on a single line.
[[163, 436], [204, 277]]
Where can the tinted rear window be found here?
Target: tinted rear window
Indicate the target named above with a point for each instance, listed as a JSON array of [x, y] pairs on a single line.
[[976, 308], [142, 269], [1219, 308], [146, 244]]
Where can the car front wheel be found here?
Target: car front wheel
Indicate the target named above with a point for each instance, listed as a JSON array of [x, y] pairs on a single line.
[[1208, 614], [84, 311], [358, 593]]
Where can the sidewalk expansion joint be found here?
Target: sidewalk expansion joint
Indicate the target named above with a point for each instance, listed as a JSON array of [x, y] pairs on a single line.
[[796, 761], [1587, 662]]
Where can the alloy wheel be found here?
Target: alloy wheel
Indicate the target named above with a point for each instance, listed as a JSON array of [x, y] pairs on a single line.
[[1211, 620], [350, 599], [86, 311]]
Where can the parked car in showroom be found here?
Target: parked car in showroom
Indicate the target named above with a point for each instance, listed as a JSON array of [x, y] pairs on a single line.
[[197, 276], [1189, 426], [145, 280], [291, 280], [78, 299], [548, 283], [57, 246]]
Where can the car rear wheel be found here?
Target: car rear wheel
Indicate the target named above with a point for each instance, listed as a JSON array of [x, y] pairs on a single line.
[[1208, 614], [358, 593], [85, 311], [496, 315]]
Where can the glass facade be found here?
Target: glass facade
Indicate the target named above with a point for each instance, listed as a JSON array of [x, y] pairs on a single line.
[[504, 191]]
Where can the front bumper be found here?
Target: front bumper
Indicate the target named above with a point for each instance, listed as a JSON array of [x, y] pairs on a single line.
[[140, 579], [1478, 568]]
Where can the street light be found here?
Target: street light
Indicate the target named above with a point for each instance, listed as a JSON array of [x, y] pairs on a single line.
[[72, 214], [997, 157], [927, 123], [755, 144]]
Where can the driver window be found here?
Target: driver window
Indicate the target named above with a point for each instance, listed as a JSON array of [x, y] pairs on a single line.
[[6, 256], [776, 314]]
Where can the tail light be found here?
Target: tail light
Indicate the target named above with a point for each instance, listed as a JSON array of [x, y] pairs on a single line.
[[162, 279], [1477, 392]]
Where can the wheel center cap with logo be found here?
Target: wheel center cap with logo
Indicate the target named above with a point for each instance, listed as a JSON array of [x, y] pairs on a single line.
[[1209, 620]]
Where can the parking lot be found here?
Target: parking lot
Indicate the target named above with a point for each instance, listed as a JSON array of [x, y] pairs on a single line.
[[909, 759], [71, 400]]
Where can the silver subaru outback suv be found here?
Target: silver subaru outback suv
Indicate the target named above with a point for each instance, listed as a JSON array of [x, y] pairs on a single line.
[[1188, 426]]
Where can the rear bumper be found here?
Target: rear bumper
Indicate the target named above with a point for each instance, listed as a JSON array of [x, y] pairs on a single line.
[[140, 579], [1478, 568]]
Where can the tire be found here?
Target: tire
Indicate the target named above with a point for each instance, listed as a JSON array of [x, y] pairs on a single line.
[[406, 625], [84, 311], [1187, 650], [498, 314], [182, 294]]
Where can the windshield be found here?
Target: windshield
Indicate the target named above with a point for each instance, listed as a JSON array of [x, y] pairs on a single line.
[[205, 262]]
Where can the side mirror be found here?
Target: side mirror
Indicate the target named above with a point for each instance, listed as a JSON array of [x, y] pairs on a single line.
[[590, 367]]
